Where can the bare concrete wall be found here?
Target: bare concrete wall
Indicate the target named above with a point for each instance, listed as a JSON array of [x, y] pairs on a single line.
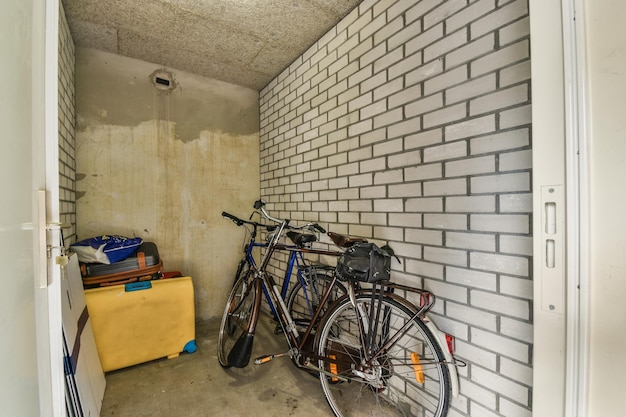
[[163, 164]]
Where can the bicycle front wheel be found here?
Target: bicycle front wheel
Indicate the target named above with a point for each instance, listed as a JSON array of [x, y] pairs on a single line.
[[409, 378], [236, 317]]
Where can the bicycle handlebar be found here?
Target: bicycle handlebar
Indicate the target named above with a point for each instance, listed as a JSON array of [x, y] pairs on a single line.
[[260, 205], [241, 222]]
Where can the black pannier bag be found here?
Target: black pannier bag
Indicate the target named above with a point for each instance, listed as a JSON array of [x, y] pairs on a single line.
[[364, 262]]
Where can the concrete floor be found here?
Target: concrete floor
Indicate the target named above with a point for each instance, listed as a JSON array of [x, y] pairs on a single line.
[[195, 385]]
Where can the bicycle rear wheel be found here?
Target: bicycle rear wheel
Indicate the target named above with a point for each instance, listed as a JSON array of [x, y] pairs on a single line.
[[236, 317], [408, 379], [303, 300]]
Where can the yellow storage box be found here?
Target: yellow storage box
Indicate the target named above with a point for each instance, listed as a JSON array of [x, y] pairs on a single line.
[[142, 321]]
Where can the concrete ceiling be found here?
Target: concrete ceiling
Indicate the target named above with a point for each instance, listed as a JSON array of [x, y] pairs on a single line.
[[244, 42]]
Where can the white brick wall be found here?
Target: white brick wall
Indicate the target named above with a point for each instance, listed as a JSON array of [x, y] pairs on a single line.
[[67, 161], [409, 122]]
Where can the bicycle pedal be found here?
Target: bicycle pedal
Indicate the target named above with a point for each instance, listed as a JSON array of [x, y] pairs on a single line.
[[266, 358]]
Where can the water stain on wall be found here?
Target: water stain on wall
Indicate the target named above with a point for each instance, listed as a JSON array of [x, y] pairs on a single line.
[[163, 164]]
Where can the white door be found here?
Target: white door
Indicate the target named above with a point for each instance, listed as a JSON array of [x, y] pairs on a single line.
[[31, 381]]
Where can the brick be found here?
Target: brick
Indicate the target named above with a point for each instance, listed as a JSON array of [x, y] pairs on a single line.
[[476, 355], [404, 128], [388, 89], [371, 165], [360, 127], [509, 140], [424, 72], [471, 204], [361, 205], [502, 345], [424, 105], [425, 237], [388, 118], [515, 31], [516, 371], [469, 14], [437, 15], [405, 190], [515, 74], [388, 233], [445, 80], [471, 166], [374, 219], [426, 204], [515, 203], [348, 169], [408, 32], [444, 290], [404, 159], [472, 316], [405, 219], [471, 88], [445, 221], [500, 183], [390, 29], [513, 161], [478, 394], [360, 180], [517, 245], [373, 136], [405, 96], [473, 241], [446, 151], [505, 387], [501, 304], [471, 278], [445, 187], [509, 408], [378, 191], [501, 58], [503, 223], [364, 19], [445, 116], [389, 205], [516, 329], [469, 128], [421, 8], [500, 99], [518, 287], [391, 147], [470, 52], [499, 18], [515, 117], [404, 66], [513, 265], [373, 83], [444, 45], [421, 268], [389, 59], [423, 138]]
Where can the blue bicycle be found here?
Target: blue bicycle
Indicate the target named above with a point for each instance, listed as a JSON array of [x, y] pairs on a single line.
[[306, 292]]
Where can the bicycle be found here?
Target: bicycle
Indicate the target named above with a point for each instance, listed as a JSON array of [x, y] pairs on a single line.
[[372, 350], [312, 279]]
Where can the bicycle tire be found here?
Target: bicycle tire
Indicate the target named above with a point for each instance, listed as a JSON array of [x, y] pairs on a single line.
[[242, 269], [236, 316], [302, 301], [398, 383]]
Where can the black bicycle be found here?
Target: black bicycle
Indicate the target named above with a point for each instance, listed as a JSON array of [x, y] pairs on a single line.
[[373, 351]]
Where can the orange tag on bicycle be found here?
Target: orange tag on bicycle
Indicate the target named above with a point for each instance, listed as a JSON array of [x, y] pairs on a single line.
[[333, 368], [417, 368]]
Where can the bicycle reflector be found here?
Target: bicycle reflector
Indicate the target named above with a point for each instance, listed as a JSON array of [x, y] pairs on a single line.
[[417, 367], [333, 368]]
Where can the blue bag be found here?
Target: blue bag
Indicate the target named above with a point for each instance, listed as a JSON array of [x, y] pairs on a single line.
[[106, 249]]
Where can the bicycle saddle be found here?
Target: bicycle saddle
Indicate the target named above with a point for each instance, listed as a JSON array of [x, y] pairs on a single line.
[[301, 239], [344, 241]]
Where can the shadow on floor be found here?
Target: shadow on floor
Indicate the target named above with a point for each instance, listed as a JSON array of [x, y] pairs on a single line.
[[195, 385]]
